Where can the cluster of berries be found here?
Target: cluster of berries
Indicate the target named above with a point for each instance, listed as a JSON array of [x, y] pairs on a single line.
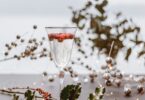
[[113, 76], [30, 51], [111, 73], [46, 95], [60, 36]]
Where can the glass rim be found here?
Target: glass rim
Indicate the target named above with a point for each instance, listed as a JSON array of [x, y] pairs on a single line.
[[61, 27]]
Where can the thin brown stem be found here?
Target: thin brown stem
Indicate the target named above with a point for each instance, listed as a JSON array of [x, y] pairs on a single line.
[[9, 92], [112, 44], [6, 59], [11, 58]]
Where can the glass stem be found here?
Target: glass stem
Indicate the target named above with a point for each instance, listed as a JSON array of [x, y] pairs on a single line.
[[61, 83], [61, 79]]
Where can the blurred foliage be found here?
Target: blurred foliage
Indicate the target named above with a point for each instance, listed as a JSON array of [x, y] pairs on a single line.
[[29, 95], [98, 94], [71, 92], [93, 19], [15, 97]]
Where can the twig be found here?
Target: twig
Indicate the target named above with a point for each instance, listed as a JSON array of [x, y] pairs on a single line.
[[2, 91], [112, 44], [10, 92], [6, 59], [10, 58]]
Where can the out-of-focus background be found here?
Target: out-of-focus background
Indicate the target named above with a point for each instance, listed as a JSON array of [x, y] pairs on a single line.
[[18, 17]]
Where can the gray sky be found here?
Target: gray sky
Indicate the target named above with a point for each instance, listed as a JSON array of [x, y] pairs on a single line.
[[36, 7], [59, 7]]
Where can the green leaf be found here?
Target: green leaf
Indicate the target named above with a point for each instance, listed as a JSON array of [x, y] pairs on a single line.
[[97, 91], [98, 95], [101, 97], [91, 97], [118, 14], [89, 3], [71, 92], [15, 97], [141, 53], [100, 7], [29, 95], [128, 53], [103, 90]]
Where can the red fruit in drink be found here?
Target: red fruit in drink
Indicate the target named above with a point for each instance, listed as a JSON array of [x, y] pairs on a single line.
[[50, 36], [67, 36], [60, 40], [56, 36], [71, 36], [60, 36]]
